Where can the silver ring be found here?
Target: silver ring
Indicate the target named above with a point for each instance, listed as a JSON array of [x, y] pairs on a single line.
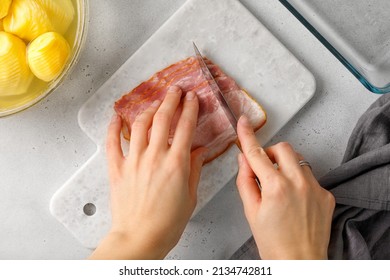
[[304, 163]]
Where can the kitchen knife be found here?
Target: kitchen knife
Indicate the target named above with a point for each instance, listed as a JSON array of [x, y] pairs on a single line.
[[218, 94], [216, 90]]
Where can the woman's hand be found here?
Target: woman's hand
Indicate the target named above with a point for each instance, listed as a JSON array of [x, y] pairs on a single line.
[[153, 189], [291, 215]]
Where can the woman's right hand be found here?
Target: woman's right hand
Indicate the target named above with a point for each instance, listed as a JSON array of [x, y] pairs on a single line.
[[290, 217]]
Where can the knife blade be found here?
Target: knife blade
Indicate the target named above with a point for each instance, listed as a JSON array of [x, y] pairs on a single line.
[[218, 94], [215, 89]]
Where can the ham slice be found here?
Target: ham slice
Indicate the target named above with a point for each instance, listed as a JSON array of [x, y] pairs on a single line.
[[213, 131]]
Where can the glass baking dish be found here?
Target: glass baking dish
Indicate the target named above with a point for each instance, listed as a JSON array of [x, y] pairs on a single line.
[[357, 32]]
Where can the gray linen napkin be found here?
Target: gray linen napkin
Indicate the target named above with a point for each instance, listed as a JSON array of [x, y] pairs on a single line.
[[361, 186]]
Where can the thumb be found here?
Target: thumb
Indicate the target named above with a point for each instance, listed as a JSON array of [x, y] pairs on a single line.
[[198, 157]]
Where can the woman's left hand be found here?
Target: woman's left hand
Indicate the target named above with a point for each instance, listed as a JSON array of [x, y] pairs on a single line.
[[154, 187]]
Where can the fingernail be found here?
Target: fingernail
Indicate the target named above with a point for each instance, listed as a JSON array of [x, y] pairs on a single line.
[[174, 89], [155, 103], [245, 121], [190, 95]]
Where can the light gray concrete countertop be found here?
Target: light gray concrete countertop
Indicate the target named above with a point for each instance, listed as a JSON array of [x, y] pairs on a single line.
[[40, 148]]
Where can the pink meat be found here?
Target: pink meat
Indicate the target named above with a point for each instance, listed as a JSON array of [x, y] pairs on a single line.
[[214, 130]]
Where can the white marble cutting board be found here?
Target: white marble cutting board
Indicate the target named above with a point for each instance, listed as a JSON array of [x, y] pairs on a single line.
[[232, 37]]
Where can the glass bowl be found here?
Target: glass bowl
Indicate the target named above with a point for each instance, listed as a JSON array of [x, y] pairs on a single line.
[[38, 89]]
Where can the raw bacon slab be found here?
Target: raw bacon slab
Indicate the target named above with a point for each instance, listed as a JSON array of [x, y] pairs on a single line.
[[214, 130]]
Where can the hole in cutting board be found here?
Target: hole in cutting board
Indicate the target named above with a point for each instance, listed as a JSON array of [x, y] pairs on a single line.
[[89, 209]]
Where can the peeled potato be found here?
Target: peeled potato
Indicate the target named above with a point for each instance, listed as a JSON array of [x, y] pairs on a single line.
[[4, 7], [47, 55], [60, 12], [15, 76], [27, 19]]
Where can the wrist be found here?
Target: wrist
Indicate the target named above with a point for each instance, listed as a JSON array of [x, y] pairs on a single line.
[[119, 245], [295, 254]]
